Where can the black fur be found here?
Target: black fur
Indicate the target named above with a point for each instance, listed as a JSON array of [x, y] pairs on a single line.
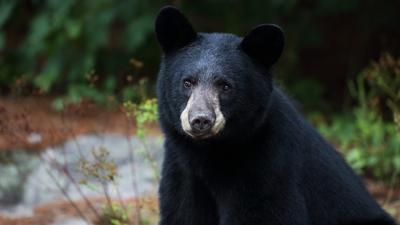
[[268, 165]]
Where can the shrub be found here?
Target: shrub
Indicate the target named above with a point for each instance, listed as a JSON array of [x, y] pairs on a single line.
[[384, 77], [80, 49], [371, 144]]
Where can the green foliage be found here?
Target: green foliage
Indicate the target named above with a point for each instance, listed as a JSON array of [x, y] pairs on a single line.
[[143, 113], [384, 77], [115, 214], [370, 144], [69, 42]]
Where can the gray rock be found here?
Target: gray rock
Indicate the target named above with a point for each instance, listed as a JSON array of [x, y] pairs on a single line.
[[43, 177], [71, 221], [13, 175]]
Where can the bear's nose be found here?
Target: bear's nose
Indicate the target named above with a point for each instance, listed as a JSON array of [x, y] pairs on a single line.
[[201, 123]]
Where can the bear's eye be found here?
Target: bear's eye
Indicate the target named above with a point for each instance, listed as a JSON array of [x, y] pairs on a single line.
[[187, 83], [226, 87]]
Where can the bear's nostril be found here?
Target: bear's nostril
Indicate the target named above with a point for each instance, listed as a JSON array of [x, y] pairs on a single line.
[[201, 124], [197, 121]]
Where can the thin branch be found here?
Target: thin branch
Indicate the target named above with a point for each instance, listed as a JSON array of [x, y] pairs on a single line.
[[65, 193]]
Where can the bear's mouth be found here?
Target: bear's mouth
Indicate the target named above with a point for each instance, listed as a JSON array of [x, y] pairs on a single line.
[[199, 136]]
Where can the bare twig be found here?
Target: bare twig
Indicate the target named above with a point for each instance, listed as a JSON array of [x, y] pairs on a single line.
[[65, 193], [133, 169]]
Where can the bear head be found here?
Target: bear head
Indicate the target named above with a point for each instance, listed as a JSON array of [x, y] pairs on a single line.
[[213, 85]]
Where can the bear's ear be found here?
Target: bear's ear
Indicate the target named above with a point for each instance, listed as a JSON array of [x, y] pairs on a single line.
[[173, 30], [264, 44]]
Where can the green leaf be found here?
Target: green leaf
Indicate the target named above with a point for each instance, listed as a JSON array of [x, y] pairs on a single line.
[[58, 104], [6, 7], [1, 41]]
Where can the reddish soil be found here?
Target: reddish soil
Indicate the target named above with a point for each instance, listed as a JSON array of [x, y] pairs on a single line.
[[51, 212], [22, 120]]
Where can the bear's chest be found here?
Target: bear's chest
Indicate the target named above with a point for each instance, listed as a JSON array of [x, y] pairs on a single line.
[[222, 163]]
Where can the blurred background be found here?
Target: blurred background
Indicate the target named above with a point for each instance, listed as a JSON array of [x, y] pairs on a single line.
[[77, 108]]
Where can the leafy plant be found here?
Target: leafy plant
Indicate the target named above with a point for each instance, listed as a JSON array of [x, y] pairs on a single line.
[[384, 77], [99, 172], [370, 143], [67, 47], [115, 214], [144, 114]]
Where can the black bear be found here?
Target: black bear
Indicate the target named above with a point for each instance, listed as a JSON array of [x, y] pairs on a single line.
[[236, 151]]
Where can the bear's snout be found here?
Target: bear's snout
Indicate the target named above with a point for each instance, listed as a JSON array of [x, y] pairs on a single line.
[[202, 117], [202, 123]]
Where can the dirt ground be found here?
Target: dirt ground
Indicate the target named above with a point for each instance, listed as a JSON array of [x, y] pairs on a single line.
[[31, 123], [49, 213]]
